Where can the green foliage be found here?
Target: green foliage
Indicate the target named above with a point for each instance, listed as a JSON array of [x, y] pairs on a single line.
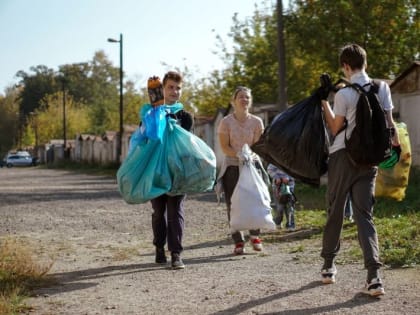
[[9, 118], [313, 33], [399, 239]]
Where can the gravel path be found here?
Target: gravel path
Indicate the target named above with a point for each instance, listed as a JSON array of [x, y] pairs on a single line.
[[103, 257]]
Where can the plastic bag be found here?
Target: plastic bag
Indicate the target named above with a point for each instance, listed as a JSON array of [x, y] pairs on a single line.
[[137, 138], [251, 202], [144, 174], [191, 161], [154, 119], [297, 141], [392, 182]]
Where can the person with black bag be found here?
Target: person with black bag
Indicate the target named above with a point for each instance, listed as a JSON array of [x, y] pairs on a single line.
[[345, 177]]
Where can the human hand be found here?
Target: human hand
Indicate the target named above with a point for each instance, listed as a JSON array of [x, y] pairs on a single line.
[[155, 90], [326, 86]]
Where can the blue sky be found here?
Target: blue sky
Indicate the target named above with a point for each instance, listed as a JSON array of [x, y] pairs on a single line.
[[55, 32]]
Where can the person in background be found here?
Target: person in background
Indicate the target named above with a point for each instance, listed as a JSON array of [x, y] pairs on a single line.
[[348, 210], [168, 211], [235, 130], [344, 177], [284, 201]]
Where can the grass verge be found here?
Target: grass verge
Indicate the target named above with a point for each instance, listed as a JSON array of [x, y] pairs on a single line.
[[19, 274], [397, 223]]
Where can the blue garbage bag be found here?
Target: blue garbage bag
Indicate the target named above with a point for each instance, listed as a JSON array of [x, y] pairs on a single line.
[[154, 119], [137, 138], [153, 124], [144, 174], [192, 163], [172, 161]]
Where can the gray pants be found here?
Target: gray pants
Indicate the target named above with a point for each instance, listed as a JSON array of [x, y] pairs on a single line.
[[344, 178]]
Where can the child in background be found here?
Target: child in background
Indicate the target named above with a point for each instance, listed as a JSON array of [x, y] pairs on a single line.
[[284, 198]]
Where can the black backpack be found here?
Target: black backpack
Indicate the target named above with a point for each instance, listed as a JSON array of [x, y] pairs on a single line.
[[370, 142]]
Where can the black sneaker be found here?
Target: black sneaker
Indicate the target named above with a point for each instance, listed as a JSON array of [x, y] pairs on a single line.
[[160, 256], [177, 261]]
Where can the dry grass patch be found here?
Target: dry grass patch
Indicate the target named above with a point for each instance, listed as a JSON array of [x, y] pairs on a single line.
[[19, 273]]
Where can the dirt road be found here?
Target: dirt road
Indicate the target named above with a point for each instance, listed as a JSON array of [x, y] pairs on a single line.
[[104, 258]]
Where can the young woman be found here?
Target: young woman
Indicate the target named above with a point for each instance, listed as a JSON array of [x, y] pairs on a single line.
[[234, 131]]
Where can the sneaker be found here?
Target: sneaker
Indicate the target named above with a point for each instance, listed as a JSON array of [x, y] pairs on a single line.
[[239, 249], [256, 244], [277, 221], [374, 287], [160, 255], [176, 261], [328, 275], [291, 229]]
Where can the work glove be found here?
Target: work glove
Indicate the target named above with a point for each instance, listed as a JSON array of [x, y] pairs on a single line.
[[326, 86], [155, 90]]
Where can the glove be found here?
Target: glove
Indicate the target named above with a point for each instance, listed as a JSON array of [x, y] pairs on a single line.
[[155, 90], [326, 86]]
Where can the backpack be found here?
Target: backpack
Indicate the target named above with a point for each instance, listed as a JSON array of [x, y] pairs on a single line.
[[370, 142]]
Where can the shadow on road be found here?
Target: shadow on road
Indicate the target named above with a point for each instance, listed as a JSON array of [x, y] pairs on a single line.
[[357, 300]]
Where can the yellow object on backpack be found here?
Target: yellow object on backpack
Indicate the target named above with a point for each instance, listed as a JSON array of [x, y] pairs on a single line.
[[392, 182]]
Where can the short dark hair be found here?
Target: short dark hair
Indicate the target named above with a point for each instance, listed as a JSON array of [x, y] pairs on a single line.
[[172, 75], [353, 55]]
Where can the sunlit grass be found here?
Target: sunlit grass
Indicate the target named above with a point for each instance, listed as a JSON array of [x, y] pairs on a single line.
[[397, 224], [19, 274]]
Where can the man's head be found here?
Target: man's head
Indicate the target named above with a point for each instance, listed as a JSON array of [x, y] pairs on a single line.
[[172, 87], [353, 56]]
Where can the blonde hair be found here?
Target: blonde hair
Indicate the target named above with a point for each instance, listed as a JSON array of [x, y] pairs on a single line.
[[239, 89]]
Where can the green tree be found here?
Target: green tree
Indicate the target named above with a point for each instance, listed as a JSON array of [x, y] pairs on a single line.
[[48, 119], [389, 30], [9, 119]]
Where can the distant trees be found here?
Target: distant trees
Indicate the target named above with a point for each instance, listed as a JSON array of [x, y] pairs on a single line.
[[313, 31]]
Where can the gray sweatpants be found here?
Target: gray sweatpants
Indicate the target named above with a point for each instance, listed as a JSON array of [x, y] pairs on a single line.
[[344, 178]]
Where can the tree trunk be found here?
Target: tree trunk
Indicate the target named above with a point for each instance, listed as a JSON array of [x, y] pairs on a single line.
[[282, 97]]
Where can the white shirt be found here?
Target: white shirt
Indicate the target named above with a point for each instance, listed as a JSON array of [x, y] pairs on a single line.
[[345, 102]]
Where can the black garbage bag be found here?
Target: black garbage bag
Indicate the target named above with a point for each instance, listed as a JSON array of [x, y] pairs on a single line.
[[297, 141]]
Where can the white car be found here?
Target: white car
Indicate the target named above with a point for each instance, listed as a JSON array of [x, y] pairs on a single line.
[[20, 158]]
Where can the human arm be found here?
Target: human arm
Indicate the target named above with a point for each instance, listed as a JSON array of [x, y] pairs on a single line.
[[391, 124], [335, 122], [225, 145]]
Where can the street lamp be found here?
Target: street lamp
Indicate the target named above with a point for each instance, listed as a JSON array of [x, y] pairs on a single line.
[[119, 144], [62, 78], [64, 117]]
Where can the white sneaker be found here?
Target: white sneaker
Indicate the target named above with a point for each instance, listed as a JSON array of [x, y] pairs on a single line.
[[328, 275], [374, 288], [256, 244]]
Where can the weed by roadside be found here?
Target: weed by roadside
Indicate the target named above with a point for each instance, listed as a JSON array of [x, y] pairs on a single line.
[[19, 273]]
